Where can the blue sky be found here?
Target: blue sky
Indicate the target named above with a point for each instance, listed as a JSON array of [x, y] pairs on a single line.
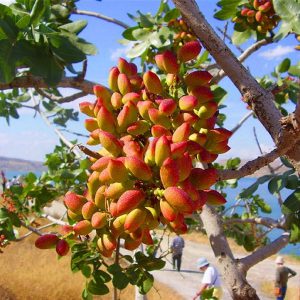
[[30, 138]]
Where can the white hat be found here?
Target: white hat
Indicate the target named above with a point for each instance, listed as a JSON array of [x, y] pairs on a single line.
[[279, 260], [202, 262]]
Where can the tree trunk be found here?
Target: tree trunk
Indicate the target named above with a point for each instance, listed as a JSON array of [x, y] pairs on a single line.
[[232, 273]]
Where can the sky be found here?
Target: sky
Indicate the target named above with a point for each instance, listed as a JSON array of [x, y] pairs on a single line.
[[30, 138]]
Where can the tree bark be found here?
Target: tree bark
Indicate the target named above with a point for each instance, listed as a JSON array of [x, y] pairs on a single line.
[[233, 276]]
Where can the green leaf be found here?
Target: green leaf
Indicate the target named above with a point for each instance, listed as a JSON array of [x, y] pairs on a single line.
[[101, 276], [292, 182], [74, 27], [137, 49], [84, 46], [60, 11], [286, 163], [128, 33], [141, 34], [97, 289], [283, 66], [114, 268], [120, 280], [295, 70], [8, 29], [233, 163], [292, 202], [146, 283], [172, 14], [146, 20], [239, 38], [248, 191], [289, 12], [23, 22], [65, 50], [276, 184], [38, 10], [228, 9], [86, 271], [219, 93], [7, 61], [86, 295]]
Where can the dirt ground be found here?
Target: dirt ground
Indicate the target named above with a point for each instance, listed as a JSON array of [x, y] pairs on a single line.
[[261, 276]]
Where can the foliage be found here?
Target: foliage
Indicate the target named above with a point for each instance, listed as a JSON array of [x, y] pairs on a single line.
[[32, 32]]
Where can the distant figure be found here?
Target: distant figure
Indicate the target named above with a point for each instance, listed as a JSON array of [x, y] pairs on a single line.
[[177, 249], [281, 278], [210, 279], [15, 181], [3, 181]]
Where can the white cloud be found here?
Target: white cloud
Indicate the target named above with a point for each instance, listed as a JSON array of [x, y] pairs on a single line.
[[116, 53], [276, 52]]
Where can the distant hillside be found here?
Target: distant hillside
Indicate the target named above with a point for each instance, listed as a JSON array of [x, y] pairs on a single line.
[[20, 165]]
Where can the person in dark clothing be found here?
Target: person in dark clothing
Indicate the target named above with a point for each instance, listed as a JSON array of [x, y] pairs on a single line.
[[177, 249], [281, 278]]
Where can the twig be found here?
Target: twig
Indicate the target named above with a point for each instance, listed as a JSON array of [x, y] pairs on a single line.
[[224, 32], [75, 133], [89, 152], [99, 16], [241, 122], [54, 220], [81, 76], [31, 232], [60, 99], [57, 131]]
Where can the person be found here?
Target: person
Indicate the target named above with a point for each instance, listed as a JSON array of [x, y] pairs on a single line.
[[177, 249], [281, 278], [3, 180], [210, 280]]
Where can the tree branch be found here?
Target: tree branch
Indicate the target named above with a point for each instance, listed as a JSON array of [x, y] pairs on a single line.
[[60, 99], [250, 167], [264, 252], [271, 169], [238, 286], [99, 16], [30, 81], [241, 122]]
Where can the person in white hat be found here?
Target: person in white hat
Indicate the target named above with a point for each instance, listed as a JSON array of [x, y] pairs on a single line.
[[281, 278], [210, 280]]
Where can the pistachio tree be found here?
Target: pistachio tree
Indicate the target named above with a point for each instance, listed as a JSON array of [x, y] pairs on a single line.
[[152, 136]]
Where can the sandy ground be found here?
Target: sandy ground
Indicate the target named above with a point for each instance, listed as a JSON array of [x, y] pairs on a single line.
[[188, 281]]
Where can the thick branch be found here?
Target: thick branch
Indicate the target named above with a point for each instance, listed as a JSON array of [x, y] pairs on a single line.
[[99, 16], [30, 81], [264, 252], [235, 279]]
